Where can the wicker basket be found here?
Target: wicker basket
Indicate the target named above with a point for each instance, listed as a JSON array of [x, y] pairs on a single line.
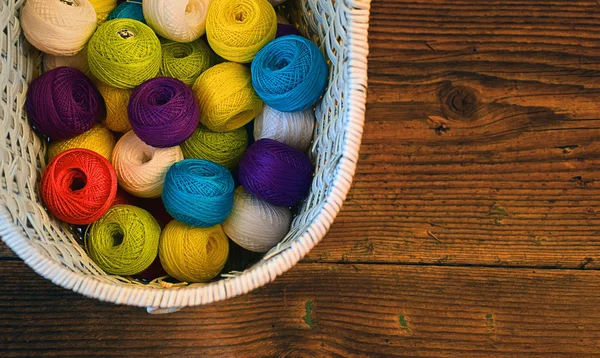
[[50, 247]]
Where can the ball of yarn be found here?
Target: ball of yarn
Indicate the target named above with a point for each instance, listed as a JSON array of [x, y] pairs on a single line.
[[198, 192], [193, 254], [276, 172], [226, 98], [292, 128], [77, 61], [254, 224], [116, 101], [128, 10], [163, 112], [58, 27], [98, 139], [124, 53], [78, 186], [284, 30], [224, 148], [140, 168], [237, 29], [124, 241], [185, 61], [290, 73], [177, 20], [63, 103], [103, 8]]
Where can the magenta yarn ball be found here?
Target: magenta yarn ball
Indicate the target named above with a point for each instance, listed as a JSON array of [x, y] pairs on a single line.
[[275, 172], [63, 103], [163, 112]]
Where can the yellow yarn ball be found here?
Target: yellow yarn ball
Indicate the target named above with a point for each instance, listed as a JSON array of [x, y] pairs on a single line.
[[78, 61], [237, 29], [116, 101], [103, 8], [226, 97], [185, 61], [193, 254], [225, 148], [97, 139]]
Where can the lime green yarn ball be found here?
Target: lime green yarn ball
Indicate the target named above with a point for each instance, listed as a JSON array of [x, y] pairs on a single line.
[[124, 53], [224, 148], [185, 61]]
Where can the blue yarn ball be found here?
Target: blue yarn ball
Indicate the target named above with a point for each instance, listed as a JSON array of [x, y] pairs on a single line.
[[128, 10], [289, 73], [198, 192]]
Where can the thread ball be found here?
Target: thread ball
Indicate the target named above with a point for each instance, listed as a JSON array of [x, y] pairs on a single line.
[[185, 61], [291, 128], [224, 148], [103, 8], [177, 20], [286, 29], [98, 139], [77, 61], [128, 10], [116, 101]]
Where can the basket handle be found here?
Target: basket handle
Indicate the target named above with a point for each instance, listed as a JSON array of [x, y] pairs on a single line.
[[157, 310]]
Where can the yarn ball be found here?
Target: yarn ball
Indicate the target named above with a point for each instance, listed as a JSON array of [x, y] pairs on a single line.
[[63, 103], [124, 53], [140, 168], [163, 112], [124, 241], [103, 8], [237, 29], [226, 98], [292, 128], [58, 27], [290, 73], [128, 10], [124, 198], [276, 172], [116, 101], [78, 186], [185, 61], [198, 192], [254, 224], [224, 148], [284, 30], [98, 139], [193, 254], [177, 20], [77, 61]]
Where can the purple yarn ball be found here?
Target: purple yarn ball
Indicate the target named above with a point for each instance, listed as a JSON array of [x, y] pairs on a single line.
[[63, 103], [285, 29], [276, 172], [163, 112]]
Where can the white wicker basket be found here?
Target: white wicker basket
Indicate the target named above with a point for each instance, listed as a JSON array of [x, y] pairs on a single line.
[[50, 248]]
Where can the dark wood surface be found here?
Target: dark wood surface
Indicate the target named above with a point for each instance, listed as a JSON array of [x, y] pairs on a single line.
[[472, 228]]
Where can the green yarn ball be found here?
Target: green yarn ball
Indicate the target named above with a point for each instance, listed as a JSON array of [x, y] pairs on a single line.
[[224, 148], [123, 53], [185, 61]]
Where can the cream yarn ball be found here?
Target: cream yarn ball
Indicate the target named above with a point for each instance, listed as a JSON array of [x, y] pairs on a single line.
[[140, 168], [177, 20], [255, 224], [292, 128], [78, 61], [58, 27]]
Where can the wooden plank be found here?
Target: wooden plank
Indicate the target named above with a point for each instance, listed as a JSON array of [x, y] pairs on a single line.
[[323, 310]]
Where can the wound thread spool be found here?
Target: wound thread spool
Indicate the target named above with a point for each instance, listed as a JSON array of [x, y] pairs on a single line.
[[129, 10], [63, 103], [193, 254], [198, 192], [58, 27], [140, 168], [237, 29], [284, 30], [103, 8], [116, 101], [77, 61], [98, 139], [226, 98], [163, 112], [124, 241], [291, 128], [254, 224], [177, 20], [78, 186], [185, 61], [275, 172], [224, 148]]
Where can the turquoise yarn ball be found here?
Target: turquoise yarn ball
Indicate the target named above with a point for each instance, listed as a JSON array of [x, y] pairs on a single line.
[[198, 192], [289, 74], [128, 10]]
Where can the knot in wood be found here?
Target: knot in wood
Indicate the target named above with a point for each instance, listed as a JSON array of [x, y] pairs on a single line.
[[461, 101]]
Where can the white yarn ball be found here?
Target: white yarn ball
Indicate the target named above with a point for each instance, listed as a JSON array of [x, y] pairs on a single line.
[[276, 2], [177, 20], [78, 61], [255, 224], [58, 27], [140, 168], [292, 128]]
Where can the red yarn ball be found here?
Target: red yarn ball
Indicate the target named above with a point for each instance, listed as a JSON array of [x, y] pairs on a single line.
[[79, 186]]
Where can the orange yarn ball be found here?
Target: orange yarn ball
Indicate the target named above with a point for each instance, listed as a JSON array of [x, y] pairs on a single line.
[[79, 186]]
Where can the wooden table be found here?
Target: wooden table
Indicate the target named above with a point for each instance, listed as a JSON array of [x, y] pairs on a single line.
[[472, 228]]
